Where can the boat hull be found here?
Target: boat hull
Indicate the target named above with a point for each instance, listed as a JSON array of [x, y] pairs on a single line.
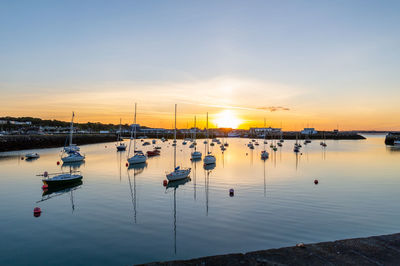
[[179, 174], [121, 148], [61, 183], [73, 159], [209, 160], [137, 159]]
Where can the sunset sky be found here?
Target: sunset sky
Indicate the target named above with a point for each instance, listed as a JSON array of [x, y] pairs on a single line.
[[295, 63]]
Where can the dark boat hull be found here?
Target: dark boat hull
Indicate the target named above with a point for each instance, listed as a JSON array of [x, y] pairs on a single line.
[[62, 183], [63, 188]]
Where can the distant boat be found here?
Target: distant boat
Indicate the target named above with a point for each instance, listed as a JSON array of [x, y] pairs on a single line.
[[209, 158], [297, 146], [264, 153], [138, 156], [154, 152], [196, 155], [33, 155], [323, 143], [121, 146], [177, 173], [73, 157]]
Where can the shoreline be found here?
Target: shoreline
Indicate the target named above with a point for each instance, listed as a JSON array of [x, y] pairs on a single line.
[[374, 250], [28, 142]]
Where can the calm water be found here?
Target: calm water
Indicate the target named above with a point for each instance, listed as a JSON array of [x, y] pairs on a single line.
[[123, 216]]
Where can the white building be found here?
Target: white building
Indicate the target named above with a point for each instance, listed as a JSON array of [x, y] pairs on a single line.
[[309, 131]]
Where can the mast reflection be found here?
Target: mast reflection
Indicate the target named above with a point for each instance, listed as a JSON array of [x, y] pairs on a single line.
[[174, 185], [137, 169]]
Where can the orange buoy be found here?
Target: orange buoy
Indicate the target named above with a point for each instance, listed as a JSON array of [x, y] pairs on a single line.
[[316, 181], [45, 186], [231, 192], [37, 211], [58, 162], [165, 182]]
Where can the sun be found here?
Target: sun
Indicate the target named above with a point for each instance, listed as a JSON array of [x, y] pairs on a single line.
[[227, 119]]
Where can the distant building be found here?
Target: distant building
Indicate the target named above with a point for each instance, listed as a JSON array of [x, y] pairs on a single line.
[[262, 130], [104, 131], [309, 131], [137, 126], [20, 123]]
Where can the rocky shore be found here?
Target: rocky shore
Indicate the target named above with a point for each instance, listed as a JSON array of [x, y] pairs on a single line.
[[375, 250], [23, 142]]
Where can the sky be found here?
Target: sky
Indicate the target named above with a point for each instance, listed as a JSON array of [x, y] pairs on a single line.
[[322, 64]]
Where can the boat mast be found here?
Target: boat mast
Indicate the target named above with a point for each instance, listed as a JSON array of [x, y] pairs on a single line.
[[175, 141], [71, 129], [119, 134], [264, 133], [195, 131], [207, 135], [175, 126], [134, 136], [130, 141]]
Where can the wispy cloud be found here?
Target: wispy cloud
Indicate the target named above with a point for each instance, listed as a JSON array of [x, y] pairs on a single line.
[[273, 108]]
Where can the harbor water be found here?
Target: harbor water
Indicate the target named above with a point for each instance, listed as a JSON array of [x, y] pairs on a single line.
[[123, 216]]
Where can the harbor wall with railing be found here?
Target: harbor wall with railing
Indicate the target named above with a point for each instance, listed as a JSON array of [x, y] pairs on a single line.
[[23, 142]]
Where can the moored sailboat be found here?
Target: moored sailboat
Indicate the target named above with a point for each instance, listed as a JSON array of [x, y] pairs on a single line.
[[209, 158], [178, 173], [138, 156]]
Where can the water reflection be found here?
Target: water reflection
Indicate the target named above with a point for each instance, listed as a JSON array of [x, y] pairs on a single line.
[[265, 182], [53, 192], [31, 159], [194, 167], [393, 148], [174, 185], [208, 168], [73, 165], [358, 179], [137, 169]]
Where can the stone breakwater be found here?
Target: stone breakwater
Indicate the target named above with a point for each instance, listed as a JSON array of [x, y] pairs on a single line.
[[23, 142], [375, 250]]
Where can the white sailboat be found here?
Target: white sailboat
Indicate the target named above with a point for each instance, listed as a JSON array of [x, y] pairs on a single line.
[[71, 147], [209, 158], [264, 153], [121, 146], [72, 150], [297, 146], [138, 156], [196, 155], [178, 173]]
